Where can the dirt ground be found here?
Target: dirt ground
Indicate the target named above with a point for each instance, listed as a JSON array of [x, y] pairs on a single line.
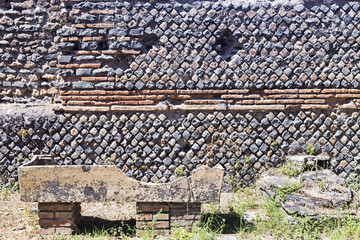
[[18, 220]]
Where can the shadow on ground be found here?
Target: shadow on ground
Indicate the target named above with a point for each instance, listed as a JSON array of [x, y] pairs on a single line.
[[225, 223], [94, 225], [220, 223]]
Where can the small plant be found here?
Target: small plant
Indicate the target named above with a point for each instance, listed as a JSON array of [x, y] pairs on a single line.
[[291, 169], [149, 232], [282, 192], [323, 184], [244, 199], [31, 221], [310, 149], [235, 185], [15, 187], [24, 132], [5, 192], [122, 231], [181, 234], [274, 145], [19, 161], [108, 161], [207, 229], [143, 168], [247, 162], [355, 185], [179, 172], [236, 166], [346, 228]]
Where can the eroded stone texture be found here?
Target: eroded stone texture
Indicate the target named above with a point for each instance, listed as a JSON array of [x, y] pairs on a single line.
[[319, 193], [108, 183]]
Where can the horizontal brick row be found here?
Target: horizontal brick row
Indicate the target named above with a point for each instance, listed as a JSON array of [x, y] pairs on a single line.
[[167, 216], [325, 97], [111, 98], [58, 217], [96, 38], [203, 107], [286, 92], [106, 52], [102, 103]]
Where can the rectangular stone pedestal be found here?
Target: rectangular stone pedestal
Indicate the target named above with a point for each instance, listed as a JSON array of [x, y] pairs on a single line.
[[163, 217], [58, 217]]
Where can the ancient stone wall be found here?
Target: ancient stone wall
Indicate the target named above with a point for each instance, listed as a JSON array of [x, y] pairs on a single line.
[[160, 88]]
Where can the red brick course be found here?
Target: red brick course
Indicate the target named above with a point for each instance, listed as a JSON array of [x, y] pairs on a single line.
[[291, 98], [58, 217]]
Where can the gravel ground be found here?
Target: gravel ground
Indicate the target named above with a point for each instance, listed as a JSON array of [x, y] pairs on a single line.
[[18, 220]]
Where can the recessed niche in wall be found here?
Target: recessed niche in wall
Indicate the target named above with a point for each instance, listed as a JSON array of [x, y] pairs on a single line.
[[227, 45], [148, 41]]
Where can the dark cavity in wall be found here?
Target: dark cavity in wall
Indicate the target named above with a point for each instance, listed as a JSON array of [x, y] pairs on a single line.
[[148, 41], [123, 62], [144, 44], [227, 45], [5, 4]]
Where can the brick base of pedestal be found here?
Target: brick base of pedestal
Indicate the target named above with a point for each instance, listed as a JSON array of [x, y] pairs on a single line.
[[58, 218], [163, 217], [184, 215]]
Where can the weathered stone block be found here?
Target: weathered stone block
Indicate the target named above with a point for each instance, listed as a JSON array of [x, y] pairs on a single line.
[[108, 183]]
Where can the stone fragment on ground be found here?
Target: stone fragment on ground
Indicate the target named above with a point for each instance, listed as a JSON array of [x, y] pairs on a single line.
[[270, 182], [320, 192], [327, 187]]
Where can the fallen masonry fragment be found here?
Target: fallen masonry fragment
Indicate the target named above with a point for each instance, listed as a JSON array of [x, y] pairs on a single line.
[[312, 193]]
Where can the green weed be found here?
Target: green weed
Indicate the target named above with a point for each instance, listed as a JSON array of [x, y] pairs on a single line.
[[346, 228], [234, 184], [123, 231], [247, 163], [287, 189], [310, 149], [208, 228], [149, 232], [143, 168], [355, 185], [291, 169], [6, 191], [31, 222], [179, 172]]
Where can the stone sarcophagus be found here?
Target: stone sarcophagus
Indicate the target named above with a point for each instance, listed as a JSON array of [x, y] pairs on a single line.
[[60, 189]]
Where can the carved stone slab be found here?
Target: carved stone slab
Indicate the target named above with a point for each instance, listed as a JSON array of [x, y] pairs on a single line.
[[59, 183]]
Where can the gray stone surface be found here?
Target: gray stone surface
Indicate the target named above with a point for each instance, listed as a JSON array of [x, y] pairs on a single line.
[[319, 192], [108, 183]]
